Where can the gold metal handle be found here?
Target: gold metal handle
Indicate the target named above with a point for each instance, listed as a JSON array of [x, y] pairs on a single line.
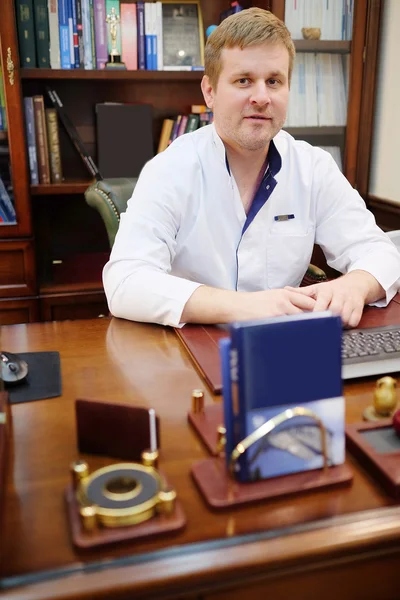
[[10, 67], [267, 427]]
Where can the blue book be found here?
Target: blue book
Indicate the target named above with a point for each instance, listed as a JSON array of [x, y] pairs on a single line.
[[141, 36], [65, 52], [276, 364], [31, 139]]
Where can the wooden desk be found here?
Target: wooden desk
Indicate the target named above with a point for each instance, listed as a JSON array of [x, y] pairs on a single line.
[[308, 546]]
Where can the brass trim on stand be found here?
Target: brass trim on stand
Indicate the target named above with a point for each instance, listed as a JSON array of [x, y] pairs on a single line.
[[271, 424]]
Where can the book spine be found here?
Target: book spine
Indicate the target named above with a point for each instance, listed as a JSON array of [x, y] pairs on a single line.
[[159, 34], [54, 34], [41, 19], [87, 35], [3, 115], [75, 41], [153, 35], [31, 140], [73, 134], [79, 27], [54, 145], [239, 429], [100, 26], [129, 36], [192, 123], [92, 33], [64, 34], [26, 33], [147, 36], [41, 140], [140, 36]]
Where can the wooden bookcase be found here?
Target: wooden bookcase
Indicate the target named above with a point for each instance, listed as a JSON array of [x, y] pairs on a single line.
[[50, 262]]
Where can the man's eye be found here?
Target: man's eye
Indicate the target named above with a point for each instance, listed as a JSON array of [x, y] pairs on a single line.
[[243, 81], [273, 81]]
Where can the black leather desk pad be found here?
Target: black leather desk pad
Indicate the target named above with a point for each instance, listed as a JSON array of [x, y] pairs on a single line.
[[43, 379]]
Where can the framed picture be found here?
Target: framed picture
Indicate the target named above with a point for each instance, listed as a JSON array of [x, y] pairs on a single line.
[[183, 36]]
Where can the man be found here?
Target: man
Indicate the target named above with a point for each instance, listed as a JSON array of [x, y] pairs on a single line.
[[221, 225]]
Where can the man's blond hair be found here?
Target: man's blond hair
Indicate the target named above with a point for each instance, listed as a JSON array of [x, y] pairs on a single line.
[[249, 27]]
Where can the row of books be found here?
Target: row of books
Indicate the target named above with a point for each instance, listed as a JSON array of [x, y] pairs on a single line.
[[318, 94], [72, 34], [3, 116], [334, 18], [174, 127]]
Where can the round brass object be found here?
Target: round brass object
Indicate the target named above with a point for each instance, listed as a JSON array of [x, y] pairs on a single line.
[[197, 401], [122, 494], [150, 458]]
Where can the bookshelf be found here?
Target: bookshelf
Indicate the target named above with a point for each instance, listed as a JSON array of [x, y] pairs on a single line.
[[51, 260]]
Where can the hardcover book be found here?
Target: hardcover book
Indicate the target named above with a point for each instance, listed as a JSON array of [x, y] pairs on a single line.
[[26, 33], [124, 138], [271, 366]]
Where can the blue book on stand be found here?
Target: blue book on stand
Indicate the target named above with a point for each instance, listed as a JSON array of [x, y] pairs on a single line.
[[271, 365]]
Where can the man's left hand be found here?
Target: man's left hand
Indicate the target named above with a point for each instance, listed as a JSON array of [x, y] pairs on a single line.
[[345, 296]]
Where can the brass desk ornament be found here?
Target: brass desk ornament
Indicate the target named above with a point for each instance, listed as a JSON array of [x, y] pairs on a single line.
[[385, 400], [114, 41]]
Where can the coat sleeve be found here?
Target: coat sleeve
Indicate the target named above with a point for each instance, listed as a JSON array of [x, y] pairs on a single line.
[[137, 278], [347, 231]]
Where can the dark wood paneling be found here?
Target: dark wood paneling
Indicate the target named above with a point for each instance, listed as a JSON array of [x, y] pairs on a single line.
[[386, 212], [17, 268], [18, 310], [73, 306], [15, 120], [368, 97]]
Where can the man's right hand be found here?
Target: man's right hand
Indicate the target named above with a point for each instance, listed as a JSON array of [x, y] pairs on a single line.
[[211, 305]]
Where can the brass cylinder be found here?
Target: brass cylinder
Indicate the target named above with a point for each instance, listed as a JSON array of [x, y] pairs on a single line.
[[197, 401], [221, 438], [88, 517], [79, 470], [166, 503], [150, 458]]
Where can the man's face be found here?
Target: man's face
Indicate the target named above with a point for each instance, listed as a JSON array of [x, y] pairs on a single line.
[[251, 96]]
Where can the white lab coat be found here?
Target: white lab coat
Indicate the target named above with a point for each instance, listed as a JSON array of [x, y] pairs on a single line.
[[183, 228]]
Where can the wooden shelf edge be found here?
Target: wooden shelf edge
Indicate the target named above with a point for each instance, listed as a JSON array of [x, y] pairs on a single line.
[[317, 131], [102, 74], [334, 46], [52, 289], [66, 187]]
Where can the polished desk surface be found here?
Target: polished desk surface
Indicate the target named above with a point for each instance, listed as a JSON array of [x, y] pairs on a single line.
[[120, 361]]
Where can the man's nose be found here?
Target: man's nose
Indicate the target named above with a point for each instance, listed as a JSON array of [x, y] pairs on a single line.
[[260, 94]]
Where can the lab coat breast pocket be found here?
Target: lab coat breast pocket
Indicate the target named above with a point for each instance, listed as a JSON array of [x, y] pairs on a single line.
[[289, 251]]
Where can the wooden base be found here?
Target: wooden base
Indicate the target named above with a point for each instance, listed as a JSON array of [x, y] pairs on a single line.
[[385, 466], [158, 525], [205, 424], [220, 491]]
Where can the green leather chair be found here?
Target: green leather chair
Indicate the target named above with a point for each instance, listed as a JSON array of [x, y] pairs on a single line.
[[110, 197]]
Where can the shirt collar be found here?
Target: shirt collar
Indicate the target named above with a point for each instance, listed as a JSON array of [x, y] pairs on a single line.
[[274, 158]]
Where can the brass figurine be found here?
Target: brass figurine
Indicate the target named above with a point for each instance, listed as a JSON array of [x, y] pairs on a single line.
[[384, 402]]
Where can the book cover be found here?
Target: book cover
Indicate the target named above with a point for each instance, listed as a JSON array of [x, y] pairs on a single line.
[[54, 145], [129, 36], [31, 139], [41, 140], [165, 134], [75, 40], [79, 27], [277, 364], [124, 138], [148, 36], [87, 36], [73, 134], [26, 33], [41, 20], [92, 33], [141, 36], [6, 206], [54, 34], [100, 33], [65, 52]]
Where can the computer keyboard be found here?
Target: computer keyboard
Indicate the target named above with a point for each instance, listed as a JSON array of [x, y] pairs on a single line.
[[373, 351]]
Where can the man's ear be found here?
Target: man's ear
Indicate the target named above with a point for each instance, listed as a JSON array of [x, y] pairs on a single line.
[[208, 91]]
